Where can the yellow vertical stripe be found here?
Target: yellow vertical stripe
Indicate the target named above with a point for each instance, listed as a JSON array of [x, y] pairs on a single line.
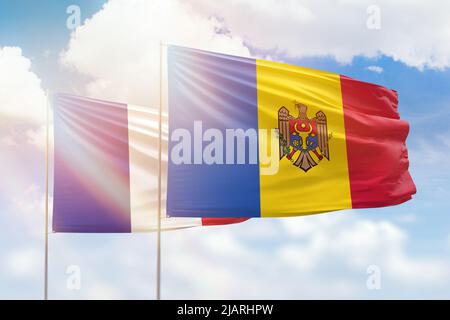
[[289, 190]]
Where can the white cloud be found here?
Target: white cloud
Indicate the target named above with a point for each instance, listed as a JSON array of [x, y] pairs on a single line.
[[28, 208], [31, 201], [323, 256], [23, 102], [319, 256], [22, 263], [22, 115], [376, 69], [339, 28], [407, 218], [104, 292], [119, 47], [47, 53], [21, 95], [359, 243], [434, 150], [37, 137], [8, 141]]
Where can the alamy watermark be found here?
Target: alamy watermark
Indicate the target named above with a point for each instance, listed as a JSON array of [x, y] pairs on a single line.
[[373, 21], [74, 19], [73, 281], [373, 281], [226, 147]]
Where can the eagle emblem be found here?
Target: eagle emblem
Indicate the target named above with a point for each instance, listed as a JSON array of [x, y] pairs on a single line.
[[302, 140]]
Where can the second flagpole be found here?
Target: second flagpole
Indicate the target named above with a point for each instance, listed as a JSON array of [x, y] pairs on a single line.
[[47, 138], [158, 236]]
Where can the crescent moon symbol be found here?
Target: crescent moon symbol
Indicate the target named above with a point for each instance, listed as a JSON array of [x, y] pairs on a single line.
[[296, 129]]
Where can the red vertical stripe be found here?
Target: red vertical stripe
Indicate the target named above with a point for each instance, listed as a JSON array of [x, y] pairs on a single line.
[[221, 221], [377, 156]]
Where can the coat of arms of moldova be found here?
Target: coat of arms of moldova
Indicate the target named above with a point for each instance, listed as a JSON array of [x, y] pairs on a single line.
[[303, 140]]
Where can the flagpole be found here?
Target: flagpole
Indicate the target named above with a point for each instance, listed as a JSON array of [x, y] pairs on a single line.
[[46, 197], [158, 237]]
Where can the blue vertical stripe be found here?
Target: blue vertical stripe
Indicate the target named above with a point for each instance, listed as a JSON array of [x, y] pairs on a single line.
[[220, 91], [91, 166]]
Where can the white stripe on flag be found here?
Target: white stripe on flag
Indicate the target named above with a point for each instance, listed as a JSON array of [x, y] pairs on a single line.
[[142, 145], [143, 152]]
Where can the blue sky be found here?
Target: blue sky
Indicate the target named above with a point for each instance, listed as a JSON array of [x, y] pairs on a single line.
[[39, 27], [415, 236]]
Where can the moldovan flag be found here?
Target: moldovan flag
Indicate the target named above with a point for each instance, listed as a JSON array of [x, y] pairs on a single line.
[[106, 168], [254, 138]]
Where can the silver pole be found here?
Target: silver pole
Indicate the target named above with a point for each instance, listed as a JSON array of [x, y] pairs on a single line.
[[46, 197], [158, 239]]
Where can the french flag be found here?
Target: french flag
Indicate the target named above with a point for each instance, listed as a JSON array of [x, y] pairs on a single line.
[[106, 168]]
